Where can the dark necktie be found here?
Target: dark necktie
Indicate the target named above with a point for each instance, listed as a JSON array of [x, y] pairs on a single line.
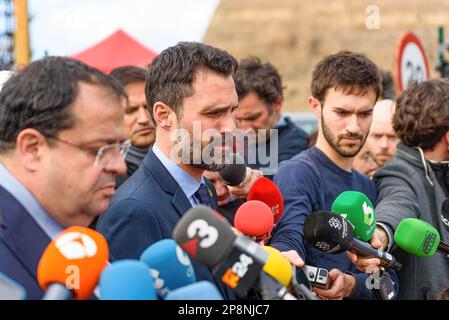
[[203, 195]]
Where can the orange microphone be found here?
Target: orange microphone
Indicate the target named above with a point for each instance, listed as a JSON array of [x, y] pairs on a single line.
[[71, 265], [255, 220], [266, 191]]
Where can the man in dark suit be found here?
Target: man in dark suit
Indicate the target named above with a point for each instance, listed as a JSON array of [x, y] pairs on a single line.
[[191, 95], [61, 128]]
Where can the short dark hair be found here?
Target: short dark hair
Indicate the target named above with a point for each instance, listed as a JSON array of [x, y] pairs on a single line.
[[422, 113], [352, 72], [171, 74], [261, 78], [129, 74], [40, 97]]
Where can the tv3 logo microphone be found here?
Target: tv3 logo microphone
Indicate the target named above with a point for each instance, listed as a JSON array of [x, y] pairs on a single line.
[[200, 228], [238, 270]]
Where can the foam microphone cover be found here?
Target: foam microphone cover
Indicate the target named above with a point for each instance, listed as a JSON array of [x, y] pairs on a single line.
[[357, 208], [328, 232], [169, 265], [75, 258], [278, 267], [235, 172], [254, 219], [204, 235], [266, 191], [202, 290], [127, 280], [417, 237], [445, 213]]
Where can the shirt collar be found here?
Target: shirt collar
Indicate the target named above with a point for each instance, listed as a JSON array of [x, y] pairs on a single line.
[[282, 122], [187, 183], [49, 225]]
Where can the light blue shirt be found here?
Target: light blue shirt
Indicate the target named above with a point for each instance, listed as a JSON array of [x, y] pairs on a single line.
[[49, 225], [282, 122], [187, 183]]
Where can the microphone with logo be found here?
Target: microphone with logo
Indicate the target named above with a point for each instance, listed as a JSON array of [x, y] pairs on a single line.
[[236, 260], [266, 191], [201, 290], [169, 265], [357, 208], [127, 280], [331, 233], [234, 173], [255, 220], [71, 264], [419, 238], [445, 213]]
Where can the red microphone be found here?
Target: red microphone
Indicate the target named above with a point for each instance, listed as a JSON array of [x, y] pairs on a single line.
[[71, 265], [266, 191], [255, 220]]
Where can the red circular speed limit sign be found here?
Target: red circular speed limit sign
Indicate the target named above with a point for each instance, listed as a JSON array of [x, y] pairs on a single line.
[[411, 61]]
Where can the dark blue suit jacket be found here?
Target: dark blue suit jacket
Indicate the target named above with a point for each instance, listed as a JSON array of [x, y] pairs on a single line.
[[146, 209], [22, 243]]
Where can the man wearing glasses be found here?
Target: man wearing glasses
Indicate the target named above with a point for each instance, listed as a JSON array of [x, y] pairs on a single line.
[[61, 148]]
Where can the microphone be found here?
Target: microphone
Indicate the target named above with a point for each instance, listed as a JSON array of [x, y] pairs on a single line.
[[255, 220], [331, 233], [127, 280], [419, 238], [169, 265], [202, 290], [278, 267], [236, 260], [445, 213], [11, 289], [72, 263], [234, 173], [266, 191], [359, 211]]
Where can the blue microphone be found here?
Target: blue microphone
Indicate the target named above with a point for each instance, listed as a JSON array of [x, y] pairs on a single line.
[[127, 280], [169, 265], [202, 290], [11, 289]]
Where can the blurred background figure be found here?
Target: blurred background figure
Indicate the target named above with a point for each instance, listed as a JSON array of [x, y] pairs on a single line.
[[139, 126], [382, 140], [260, 91], [364, 162]]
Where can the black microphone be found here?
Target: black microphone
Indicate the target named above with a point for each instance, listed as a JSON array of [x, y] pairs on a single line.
[[234, 173], [235, 260], [331, 233], [445, 213]]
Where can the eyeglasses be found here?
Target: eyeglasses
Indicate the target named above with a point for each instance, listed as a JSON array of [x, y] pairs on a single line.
[[105, 155]]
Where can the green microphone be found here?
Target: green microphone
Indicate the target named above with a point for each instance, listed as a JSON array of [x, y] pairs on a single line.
[[419, 238], [359, 211]]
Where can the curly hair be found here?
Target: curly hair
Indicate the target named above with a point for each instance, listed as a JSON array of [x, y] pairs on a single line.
[[422, 113]]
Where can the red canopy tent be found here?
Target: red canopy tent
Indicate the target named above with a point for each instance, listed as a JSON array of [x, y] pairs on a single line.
[[119, 49]]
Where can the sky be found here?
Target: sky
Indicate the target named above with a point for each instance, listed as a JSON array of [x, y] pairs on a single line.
[[66, 27]]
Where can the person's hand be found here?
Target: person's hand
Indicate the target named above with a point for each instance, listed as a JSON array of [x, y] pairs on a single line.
[[378, 240], [294, 258], [342, 286], [241, 191]]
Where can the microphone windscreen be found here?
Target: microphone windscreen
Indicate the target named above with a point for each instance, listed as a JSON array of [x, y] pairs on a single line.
[[75, 258], [445, 213], [266, 191], [328, 232], [169, 265], [202, 290], [417, 237], [205, 236], [278, 267], [234, 173], [254, 219], [127, 280], [357, 208], [11, 289]]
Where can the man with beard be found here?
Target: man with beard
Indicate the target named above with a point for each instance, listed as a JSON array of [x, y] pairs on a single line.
[[345, 87], [191, 96]]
